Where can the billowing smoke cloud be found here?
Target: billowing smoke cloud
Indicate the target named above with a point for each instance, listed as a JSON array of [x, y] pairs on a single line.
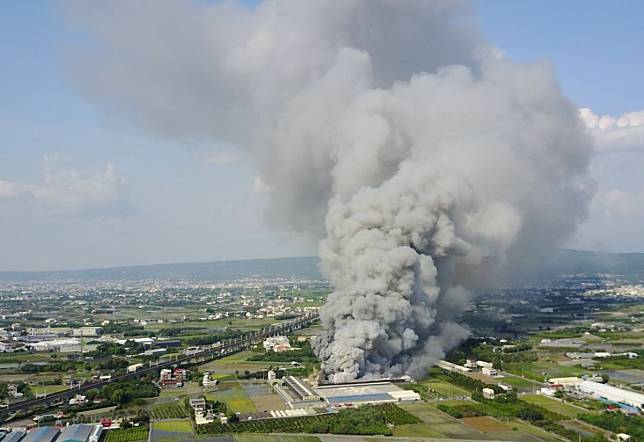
[[434, 162]]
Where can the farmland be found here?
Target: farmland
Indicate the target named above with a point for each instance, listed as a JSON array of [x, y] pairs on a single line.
[[169, 410], [553, 404], [365, 420], [174, 425], [235, 399], [127, 435]]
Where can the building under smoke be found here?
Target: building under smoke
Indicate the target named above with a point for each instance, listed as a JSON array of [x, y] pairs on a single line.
[[427, 161]]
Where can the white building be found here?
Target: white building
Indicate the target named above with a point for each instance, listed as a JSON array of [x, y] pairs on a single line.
[[452, 367], [565, 382], [484, 364], [488, 393], [613, 394], [61, 345], [134, 367], [87, 331], [277, 344], [489, 371]]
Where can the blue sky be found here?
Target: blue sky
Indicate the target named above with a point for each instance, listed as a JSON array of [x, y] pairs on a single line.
[[184, 204]]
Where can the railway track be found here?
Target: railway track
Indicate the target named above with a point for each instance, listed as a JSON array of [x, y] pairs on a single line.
[[229, 347]]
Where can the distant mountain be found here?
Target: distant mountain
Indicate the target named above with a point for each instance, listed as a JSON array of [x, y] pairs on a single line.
[[630, 265], [300, 267]]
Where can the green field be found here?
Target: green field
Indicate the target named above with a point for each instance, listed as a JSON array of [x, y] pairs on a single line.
[[127, 435], [553, 405], [541, 371], [446, 389], [235, 398], [175, 425], [518, 383], [169, 410], [49, 389]]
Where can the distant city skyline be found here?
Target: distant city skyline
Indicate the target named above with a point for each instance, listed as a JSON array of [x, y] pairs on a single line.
[[80, 188]]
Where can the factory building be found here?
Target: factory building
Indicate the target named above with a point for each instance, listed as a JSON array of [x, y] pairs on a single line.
[[14, 436], [612, 394], [297, 393], [355, 394], [87, 331], [453, 367], [42, 434], [76, 433], [96, 433]]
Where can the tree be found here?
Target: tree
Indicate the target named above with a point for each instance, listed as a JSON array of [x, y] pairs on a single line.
[[91, 394]]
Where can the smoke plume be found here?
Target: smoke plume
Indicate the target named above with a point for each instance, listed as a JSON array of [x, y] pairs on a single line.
[[427, 162]]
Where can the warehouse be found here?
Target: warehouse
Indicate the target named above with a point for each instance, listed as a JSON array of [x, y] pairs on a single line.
[[297, 393], [75, 433], [353, 394], [613, 394], [42, 434], [14, 436]]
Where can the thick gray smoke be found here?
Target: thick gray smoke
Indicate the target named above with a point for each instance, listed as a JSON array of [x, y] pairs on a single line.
[[435, 162]]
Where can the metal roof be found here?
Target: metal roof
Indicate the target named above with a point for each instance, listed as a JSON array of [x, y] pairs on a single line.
[[373, 397], [14, 436], [75, 433], [42, 434]]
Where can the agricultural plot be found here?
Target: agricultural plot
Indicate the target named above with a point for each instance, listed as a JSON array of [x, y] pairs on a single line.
[[530, 430], [48, 389], [173, 426], [416, 430], [235, 398], [517, 383], [553, 405], [169, 411], [127, 435], [188, 389], [428, 414], [542, 370], [485, 424], [274, 438], [337, 423], [445, 389]]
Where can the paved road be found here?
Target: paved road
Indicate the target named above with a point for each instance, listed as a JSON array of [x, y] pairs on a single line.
[[229, 347]]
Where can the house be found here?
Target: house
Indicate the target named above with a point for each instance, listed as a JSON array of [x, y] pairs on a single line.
[[79, 399], [277, 344], [488, 393], [198, 404]]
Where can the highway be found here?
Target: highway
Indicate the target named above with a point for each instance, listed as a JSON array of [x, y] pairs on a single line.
[[229, 347]]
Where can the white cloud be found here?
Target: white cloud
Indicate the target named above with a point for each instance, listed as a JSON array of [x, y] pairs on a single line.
[[66, 190], [615, 134]]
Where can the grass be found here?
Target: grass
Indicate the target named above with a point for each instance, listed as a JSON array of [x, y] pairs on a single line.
[[235, 398], [517, 383], [446, 389], [541, 371], [49, 389], [553, 405], [174, 425]]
